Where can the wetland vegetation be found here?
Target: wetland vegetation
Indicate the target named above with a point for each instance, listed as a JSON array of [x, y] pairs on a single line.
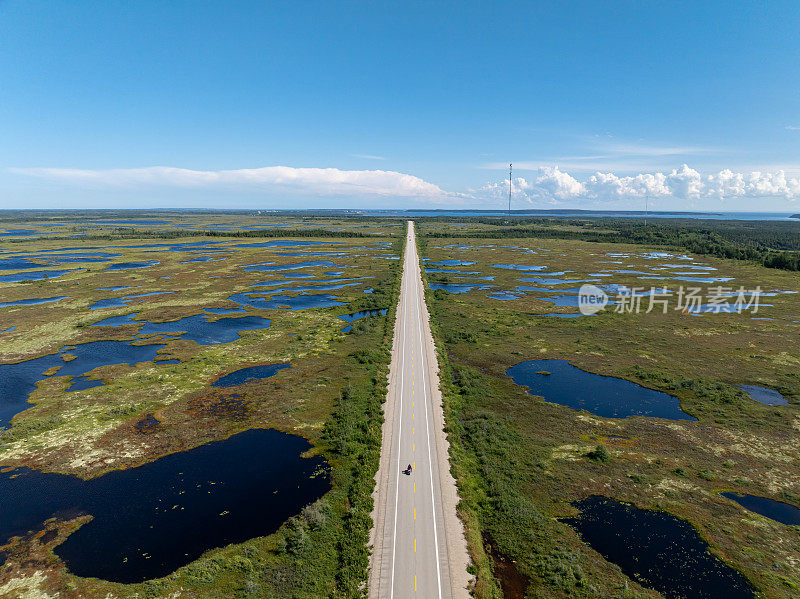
[[118, 370], [526, 465], [164, 362]]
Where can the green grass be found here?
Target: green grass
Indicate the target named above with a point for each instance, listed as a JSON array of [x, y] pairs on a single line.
[[520, 461]]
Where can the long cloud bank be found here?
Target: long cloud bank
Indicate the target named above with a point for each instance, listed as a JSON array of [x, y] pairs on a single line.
[[554, 186], [317, 181]]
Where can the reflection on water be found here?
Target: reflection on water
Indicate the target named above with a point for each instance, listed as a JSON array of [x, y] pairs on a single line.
[[249, 374], [560, 382], [149, 521], [779, 511], [657, 550], [766, 396]]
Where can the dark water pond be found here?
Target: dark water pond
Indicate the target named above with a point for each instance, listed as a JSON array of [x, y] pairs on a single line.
[[18, 263], [284, 302], [550, 281], [768, 397], [523, 267], [452, 263], [283, 243], [197, 328], [32, 302], [297, 288], [453, 272], [149, 521], [785, 513], [351, 318], [456, 288], [251, 373], [19, 380], [132, 265], [657, 550], [18, 232], [34, 275], [271, 267], [69, 258], [317, 254], [605, 396]]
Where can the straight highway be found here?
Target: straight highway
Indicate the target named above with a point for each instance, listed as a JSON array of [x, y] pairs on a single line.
[[416, 527]]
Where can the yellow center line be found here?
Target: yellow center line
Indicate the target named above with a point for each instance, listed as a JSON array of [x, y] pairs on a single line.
[[415, 545]]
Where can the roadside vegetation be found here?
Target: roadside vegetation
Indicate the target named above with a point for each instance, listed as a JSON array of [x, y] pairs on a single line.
[[519, 461]]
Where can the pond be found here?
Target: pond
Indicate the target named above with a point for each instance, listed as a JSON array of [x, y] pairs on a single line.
[[284, 302], [19, 380], [249, 374], [283, 243], [34, 275], [785, 513], [272, 267], [457, 288], [657, 550], [197, 328], [452, 263], [151, 520], [32, 302], [454, 272], [351, 318], [522, 267], [768, 397], [561, 383]]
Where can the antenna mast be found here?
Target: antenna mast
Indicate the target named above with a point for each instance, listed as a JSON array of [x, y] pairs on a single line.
[[509, 189]]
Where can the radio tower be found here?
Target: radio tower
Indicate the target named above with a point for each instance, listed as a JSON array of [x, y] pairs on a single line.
[[509, 189]]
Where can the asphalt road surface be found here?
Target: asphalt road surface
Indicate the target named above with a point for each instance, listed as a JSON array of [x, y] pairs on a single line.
[[411, 550]]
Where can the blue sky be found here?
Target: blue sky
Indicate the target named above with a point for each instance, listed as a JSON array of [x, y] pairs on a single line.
[[353, 104]]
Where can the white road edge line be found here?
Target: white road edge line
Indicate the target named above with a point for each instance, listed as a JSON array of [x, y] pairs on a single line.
[[400, 428], [418, 280]]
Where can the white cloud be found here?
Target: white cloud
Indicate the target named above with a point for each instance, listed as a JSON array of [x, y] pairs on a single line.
[[554, 186], [317, 181], [369, 157], [792, 128]]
